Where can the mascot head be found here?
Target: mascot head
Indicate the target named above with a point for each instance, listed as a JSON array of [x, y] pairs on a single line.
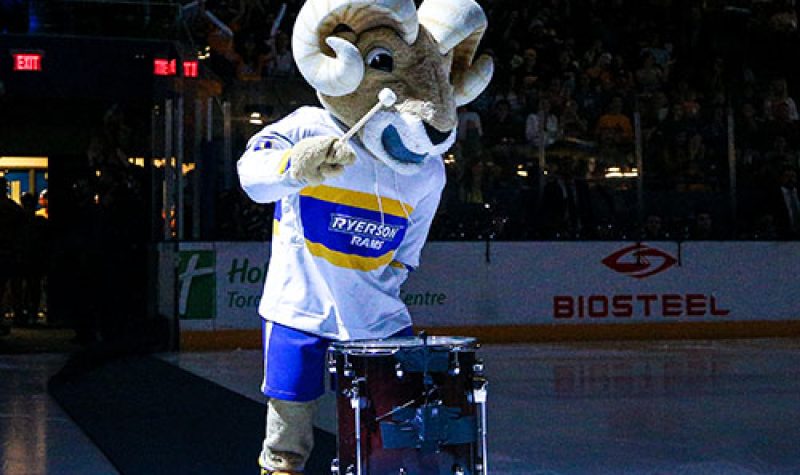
[[349, 50]]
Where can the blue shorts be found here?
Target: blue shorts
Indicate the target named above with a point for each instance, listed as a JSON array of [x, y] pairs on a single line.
[[295, 362]]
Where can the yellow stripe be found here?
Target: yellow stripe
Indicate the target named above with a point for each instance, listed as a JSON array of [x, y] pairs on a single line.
[[349, 261], [251, 339], [276, 227], [357, 199], [397, 265], [284, 163]]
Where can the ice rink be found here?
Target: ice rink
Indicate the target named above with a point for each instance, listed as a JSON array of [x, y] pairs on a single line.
[[634, 408]]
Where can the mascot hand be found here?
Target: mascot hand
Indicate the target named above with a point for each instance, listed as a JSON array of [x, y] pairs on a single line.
[[317, 159]]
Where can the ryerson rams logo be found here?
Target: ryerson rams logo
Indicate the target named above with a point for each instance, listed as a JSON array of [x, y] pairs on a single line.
[[364, 232], [639, 261]]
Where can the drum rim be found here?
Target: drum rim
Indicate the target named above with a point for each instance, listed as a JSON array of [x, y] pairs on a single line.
[[390, 346]]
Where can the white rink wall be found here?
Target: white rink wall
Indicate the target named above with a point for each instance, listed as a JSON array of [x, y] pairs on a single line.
[[528, 284]]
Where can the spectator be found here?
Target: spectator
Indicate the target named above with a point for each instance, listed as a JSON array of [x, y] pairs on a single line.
[[529, 68], [690, 104], [622, 77], [281, 62], [542, 126], [589, 97], [252, 62], [748, 127], [781, 123], [591, 55], [694, 165], [572, 124], [529, 93], [614, 127], [469, 123], [779, 154], [600, 72], [783, 204], [660, 51], [702, 227], [655, 110], [565, 210], [470, 132], [502, 126], [567, 66], [653, 228], [35, 259], [649, 77], [12, 220], [778, 105]]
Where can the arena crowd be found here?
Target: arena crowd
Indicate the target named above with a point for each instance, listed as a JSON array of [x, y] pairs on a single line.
[[587, 95]]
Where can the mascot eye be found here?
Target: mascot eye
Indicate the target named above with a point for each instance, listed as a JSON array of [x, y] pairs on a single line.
[[381, 59]]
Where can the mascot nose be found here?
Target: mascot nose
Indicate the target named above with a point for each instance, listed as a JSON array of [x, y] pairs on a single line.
[[435, 134]]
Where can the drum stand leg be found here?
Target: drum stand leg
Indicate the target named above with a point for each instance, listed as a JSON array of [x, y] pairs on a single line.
[[479, 394], [357, 403]]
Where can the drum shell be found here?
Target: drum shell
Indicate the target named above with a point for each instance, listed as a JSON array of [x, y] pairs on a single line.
[[383, 391]]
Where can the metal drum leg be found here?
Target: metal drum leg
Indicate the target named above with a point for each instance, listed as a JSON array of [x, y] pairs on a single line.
[[357, 403]]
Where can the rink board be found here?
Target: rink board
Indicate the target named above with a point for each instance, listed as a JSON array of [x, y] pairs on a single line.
[[529, 291]]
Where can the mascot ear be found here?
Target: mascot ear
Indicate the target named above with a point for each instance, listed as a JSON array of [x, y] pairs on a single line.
[[458, 26], [331, 64]]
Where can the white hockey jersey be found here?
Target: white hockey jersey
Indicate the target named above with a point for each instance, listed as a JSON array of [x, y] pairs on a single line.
[[341, 250]]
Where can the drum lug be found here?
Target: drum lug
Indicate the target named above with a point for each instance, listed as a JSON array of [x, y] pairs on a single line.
[[478, 368], [358, 402], [398, 370], [331, 362], [479, 391], [348, 370], [402, 471], [354, 393], [335, 467], [457, 470], [455, 370]]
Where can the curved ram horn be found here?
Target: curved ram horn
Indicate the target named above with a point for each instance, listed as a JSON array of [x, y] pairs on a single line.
[[458, 26], [312, 43], [474, 80]]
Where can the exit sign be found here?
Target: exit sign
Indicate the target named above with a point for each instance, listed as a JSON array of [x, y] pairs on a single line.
[[169, 67], [190, 69], [164, 67], [27, 61]]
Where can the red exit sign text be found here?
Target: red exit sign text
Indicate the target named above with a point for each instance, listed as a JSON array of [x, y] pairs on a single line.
[[169, 67], [27, 61]]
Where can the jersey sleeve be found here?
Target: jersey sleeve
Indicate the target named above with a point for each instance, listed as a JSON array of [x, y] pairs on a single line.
[[263, 167], [408, 254]]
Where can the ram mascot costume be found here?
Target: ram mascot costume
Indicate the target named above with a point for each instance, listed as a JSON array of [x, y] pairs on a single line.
[[353, 210]]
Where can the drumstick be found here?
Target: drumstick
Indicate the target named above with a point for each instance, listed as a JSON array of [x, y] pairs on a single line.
[[386, 98]]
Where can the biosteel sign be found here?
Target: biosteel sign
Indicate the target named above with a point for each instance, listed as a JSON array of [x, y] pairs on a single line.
[[644, 305], [575, 283], [639, 261]]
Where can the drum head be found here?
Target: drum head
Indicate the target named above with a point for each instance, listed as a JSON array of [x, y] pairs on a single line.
[[390, 346]]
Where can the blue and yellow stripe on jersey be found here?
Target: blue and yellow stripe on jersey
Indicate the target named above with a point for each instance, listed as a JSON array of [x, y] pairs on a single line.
[[348, 229]]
